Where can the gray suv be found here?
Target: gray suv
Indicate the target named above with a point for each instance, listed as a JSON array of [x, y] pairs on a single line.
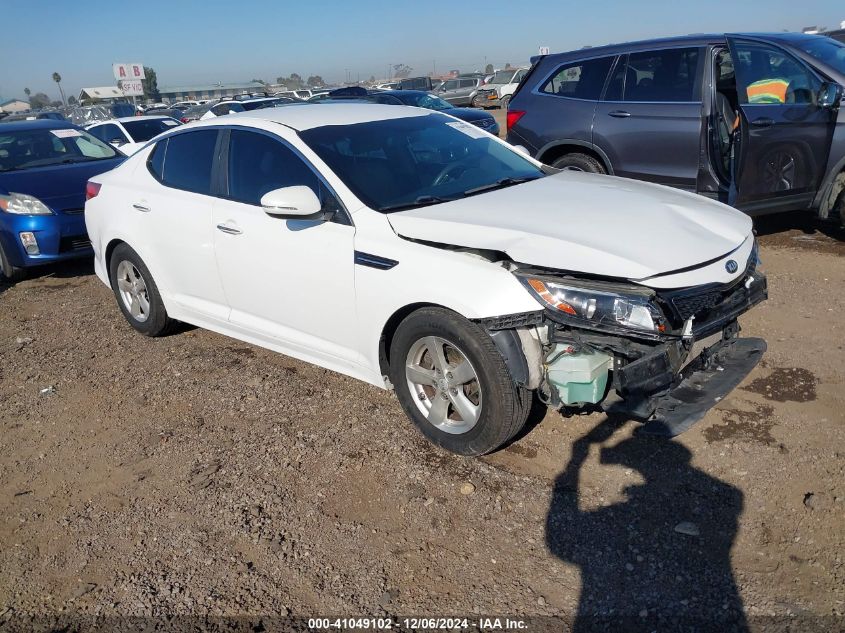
[[751, 120], [460, 90]]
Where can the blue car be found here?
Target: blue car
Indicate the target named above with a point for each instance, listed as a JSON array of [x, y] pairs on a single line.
[[422, 99], [44, 168]]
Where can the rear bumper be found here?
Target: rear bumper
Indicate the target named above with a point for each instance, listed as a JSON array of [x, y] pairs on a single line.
[[60, 237]]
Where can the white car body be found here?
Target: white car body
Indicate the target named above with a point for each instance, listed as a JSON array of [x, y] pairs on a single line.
[[313, 301], [128, 144]]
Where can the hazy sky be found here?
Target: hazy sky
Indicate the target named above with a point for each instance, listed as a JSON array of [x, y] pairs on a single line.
[[190, 42]]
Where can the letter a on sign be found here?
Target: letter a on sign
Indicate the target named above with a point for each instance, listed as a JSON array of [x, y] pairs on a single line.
[[122, 72]]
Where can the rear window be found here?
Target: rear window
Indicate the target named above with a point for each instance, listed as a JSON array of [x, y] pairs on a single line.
[[579, 80], [188, 161], [143, 130]]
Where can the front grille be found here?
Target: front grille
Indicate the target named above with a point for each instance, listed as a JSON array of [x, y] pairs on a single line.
[[692, 305], [74, 243], [73, 211]]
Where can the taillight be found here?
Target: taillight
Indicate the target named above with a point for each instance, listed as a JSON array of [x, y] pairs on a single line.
[[92, 189], [513, 117]]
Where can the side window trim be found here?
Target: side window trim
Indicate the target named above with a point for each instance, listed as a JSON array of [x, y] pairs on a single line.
[[223, 166]]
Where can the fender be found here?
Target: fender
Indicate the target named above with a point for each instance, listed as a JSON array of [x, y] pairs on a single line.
[[586, 144]]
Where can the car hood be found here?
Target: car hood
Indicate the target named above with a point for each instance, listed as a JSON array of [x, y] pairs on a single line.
[[60, 187], [468, 114], [601, 225]]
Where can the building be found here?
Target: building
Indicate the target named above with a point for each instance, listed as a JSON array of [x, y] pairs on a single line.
[[12, 106], [98, 95], [213, 91]]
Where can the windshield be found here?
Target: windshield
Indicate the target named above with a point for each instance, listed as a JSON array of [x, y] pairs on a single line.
[[429, 102], [25, 149], [416, 161], [143, 130], [502, 77], [826, 50]]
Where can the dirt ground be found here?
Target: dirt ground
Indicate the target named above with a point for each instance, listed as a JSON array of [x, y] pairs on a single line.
[[198, 475]]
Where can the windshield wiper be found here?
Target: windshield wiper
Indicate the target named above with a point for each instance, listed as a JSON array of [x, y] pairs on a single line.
[[499, 184], [422, 201]]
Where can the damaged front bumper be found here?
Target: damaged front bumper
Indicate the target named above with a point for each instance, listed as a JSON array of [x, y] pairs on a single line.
[[668, 382]]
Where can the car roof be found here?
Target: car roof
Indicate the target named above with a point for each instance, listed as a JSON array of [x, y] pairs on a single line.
[[695, 39], [305, 116], [399, 93], [129, 119], [36, 124]]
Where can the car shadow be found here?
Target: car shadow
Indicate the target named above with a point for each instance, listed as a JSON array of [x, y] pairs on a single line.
[[658, 560]]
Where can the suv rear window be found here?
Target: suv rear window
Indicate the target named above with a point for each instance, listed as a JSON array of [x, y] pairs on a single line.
[[579, 80]]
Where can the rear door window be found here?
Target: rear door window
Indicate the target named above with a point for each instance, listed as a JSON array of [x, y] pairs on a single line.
[[189, 161], [670, 75], [579, 80]]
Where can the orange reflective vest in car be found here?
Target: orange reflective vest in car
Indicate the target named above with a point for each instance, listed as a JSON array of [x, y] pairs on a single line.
[[768, 91]]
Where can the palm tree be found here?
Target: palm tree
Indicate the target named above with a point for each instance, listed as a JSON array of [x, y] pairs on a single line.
[[58, 79]]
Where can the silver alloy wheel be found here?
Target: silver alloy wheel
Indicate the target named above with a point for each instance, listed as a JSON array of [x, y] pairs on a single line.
[[443, 384], [133, 291]]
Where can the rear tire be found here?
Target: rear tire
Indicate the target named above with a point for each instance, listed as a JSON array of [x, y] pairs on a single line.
[[137, 294], [8, 272], [577, 161], [477, 102], [467, 402]]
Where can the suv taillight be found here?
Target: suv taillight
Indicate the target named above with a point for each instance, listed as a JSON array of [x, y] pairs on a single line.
[[92, 189], [513, 117]]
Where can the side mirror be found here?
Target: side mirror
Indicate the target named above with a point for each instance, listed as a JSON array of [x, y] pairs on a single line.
[[830, 95], [298, 202], [522, 150]]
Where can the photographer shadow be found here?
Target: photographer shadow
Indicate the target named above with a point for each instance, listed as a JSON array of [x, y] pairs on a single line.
[[659, 560]]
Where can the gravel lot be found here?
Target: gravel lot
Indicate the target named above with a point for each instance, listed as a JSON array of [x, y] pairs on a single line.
[[195, 474]]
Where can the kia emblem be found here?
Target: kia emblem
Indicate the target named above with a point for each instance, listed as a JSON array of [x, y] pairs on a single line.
[[731, 266]]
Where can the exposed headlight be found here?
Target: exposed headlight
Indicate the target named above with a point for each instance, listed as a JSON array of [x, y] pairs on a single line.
[[22, 204], [597, 308]]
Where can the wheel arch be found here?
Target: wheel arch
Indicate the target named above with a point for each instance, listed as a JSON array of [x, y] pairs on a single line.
[[552, 151], [390, 327]]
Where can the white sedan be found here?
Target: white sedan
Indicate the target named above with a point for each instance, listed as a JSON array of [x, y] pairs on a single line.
[[132, 132], [415, 252]]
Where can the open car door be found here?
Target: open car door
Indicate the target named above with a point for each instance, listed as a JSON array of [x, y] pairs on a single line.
[[786, 127]]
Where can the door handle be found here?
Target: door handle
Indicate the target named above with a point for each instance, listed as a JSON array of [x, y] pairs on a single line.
[[619, 114], [140, 207], [763, 122], [229, 230]]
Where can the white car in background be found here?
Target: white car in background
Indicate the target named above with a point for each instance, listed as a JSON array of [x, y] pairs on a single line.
[[131, 133], [498, 90], [233, 107], [416, 252]]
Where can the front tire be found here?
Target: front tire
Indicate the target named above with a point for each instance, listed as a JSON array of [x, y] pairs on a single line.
[[137, 294], [9, 272], [505, 102], [453, 383]]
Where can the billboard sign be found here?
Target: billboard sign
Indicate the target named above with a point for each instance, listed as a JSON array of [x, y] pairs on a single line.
[[128, 71]]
